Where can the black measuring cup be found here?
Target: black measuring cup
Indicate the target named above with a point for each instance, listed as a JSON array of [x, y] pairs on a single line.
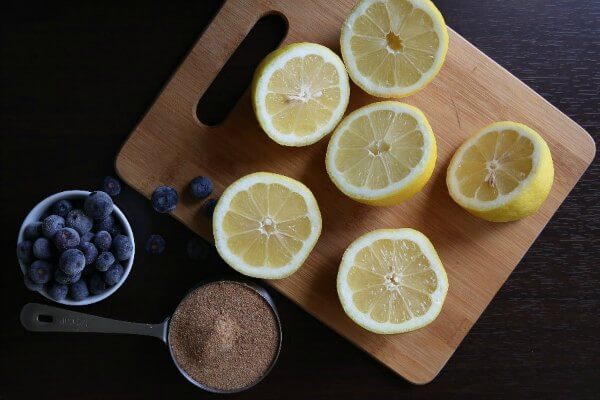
[[43, 318]]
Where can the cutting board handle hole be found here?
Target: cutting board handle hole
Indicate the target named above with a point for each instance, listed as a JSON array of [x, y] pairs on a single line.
[[236, 75]]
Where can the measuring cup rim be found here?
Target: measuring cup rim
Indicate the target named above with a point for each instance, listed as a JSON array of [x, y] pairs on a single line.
[[262, 292]]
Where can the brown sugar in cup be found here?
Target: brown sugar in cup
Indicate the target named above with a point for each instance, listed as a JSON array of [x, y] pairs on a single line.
[[225, 336]]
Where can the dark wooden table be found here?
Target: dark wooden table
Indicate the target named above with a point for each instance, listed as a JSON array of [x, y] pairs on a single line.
[[75, 79]]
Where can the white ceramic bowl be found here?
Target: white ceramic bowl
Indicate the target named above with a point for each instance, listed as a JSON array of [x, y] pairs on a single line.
[[40, 209]]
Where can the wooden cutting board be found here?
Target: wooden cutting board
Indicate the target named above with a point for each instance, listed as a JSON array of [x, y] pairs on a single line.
[[170, 146]]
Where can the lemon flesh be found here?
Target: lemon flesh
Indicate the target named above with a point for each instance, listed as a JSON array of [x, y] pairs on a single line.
[[299, 93], [392, 281], [502, 173], [393, 48], [382, 154], [265, 225]]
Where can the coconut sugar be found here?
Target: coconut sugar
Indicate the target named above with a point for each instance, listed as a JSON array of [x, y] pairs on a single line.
[[224, 335]]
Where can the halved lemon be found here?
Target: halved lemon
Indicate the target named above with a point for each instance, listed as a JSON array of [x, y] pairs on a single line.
[[382, 154], [392, 281], [265, 225], [502, 173], [393, 48], [299, 93]]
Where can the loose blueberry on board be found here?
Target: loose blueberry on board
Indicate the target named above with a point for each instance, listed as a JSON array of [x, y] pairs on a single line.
[[25, 251], [33, 230], [87, 237], [164, 199], [113, 275], [208, 208], [77, 220], [96, 284], [89, 252], [104, 261], [31, 285], [79, 290], [58, 291], [72, 261], [198, 249], [40, 271], [122, 247], [112, 186], [51, 225], [98, 205], [66, 238], [201, 187], [103, 240], [108, 224], [43, 249], [62, 208], [155, 244], [61, 277]]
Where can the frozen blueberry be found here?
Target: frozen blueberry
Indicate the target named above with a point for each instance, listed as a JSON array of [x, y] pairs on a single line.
[[113, 275], [40, 271], [102, 240], [122, 247], [43, 249], [72, 261], [155, 244], [25, 251], [89, 252], [61, 277], [79, 290], [111, 186], [198, 249], [66, 238], [62, 208], [77, 220], [201, 187], [51, 225], [208, 208], [96, 283], [87, 237], [31, 285], [33, 230], [108, 224], [98, 205], [105, 260], [164, 199], [58, 291]]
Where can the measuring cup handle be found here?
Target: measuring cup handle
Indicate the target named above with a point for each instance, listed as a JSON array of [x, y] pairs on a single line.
[[43, 318]]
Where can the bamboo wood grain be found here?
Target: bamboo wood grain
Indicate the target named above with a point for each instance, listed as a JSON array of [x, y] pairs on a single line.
[[169, 146]]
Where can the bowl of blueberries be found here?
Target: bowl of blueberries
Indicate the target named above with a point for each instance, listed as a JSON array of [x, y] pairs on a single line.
[[75, 247]]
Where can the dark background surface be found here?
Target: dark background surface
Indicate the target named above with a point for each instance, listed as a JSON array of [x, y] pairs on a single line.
[[75, 79]]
